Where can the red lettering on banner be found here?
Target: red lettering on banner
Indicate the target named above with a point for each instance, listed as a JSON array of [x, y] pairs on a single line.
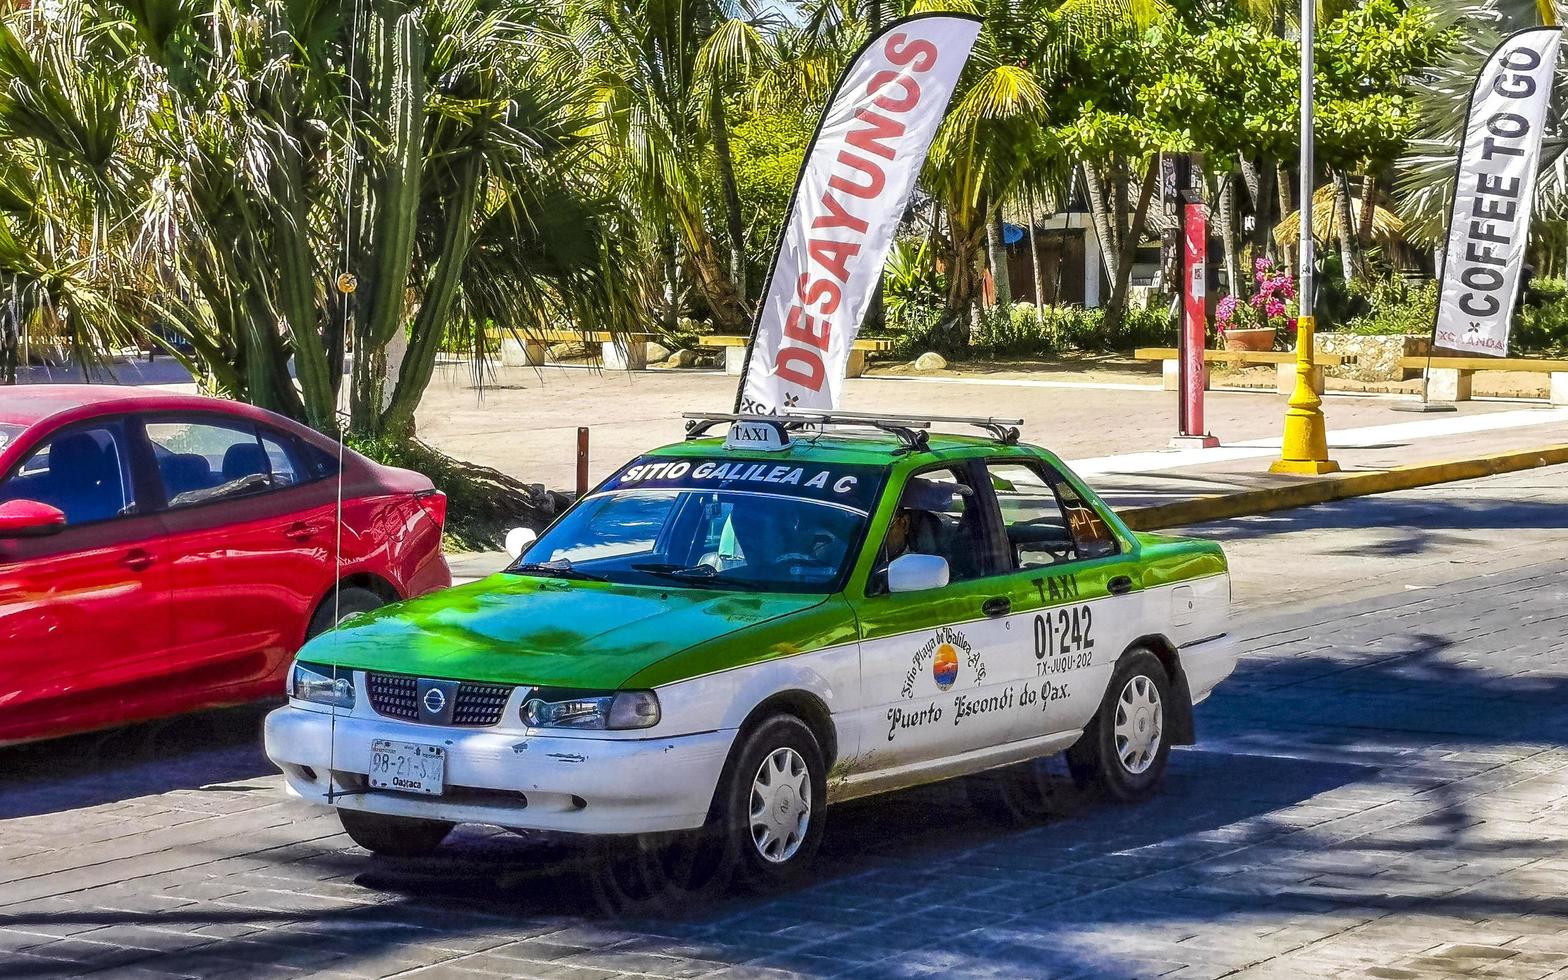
[[837, 217], [882, 80], [872, 140], [875, 178], [918, 55], [833, 256], [799, 327], [810, 373], [824, 291]]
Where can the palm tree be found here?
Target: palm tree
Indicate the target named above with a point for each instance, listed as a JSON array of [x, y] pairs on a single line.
[[1425, 185], [264, 148], [661, 74]]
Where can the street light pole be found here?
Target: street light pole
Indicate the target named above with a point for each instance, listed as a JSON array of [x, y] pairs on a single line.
[[1304, 448]]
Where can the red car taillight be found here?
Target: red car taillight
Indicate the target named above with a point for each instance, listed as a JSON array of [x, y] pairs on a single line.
[[434, 503]]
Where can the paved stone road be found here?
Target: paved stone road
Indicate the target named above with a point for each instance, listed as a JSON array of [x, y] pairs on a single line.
[[1380, 791]]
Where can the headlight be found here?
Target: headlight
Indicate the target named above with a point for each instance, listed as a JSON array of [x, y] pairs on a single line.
[[562, 709], [316, 683]]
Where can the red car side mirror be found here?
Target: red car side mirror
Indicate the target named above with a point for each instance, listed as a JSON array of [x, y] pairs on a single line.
[[29, 519]]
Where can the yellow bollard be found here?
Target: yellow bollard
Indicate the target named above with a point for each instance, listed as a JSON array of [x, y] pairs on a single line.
[[1305, 446]]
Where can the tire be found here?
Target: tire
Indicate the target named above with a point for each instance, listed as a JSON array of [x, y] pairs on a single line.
[[351, 601], [393, 836], [769, 839], [1128, 764]]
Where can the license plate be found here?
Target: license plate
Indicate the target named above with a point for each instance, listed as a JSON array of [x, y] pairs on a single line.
[[407, 767]]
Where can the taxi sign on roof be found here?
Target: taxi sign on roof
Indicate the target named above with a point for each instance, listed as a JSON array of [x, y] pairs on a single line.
[[768, 437]]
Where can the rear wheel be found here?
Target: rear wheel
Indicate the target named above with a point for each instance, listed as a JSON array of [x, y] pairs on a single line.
[[393, 836], [351, 601], [770, 811], [1125, 748]]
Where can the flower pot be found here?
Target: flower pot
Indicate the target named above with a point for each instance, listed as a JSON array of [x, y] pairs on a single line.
[[1251, 340]]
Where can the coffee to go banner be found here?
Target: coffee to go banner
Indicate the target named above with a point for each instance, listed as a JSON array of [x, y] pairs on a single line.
[[1493, 193], [854, 185]]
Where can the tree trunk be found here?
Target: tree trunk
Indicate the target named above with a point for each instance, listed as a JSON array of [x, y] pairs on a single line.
[[966, 230], [1258, 176], [1282, 187], [729, 312], [1117, 307], [1034, 257], [996, 257], [669, 312], [1227, 222], [10, 338], [1368, 209], [1348, 254], [734, 223], [1100, 215]]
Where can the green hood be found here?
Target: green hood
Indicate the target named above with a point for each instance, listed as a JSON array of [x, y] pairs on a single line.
[[516, 629]]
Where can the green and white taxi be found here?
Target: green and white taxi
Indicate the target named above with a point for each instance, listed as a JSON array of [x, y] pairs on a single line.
[[731, 633]]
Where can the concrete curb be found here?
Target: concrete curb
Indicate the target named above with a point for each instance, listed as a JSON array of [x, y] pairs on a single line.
[[1338, 487]]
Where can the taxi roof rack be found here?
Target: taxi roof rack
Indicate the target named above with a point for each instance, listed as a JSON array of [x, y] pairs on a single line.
[[910, 429]]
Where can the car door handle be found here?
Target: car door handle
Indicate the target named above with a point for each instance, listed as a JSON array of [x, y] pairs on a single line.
[[997, 606], [1120, 585], [138, 559], [300, 531]]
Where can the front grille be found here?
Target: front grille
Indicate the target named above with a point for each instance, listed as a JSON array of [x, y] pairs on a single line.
[[395, 695], [480, 704], [476, 705]]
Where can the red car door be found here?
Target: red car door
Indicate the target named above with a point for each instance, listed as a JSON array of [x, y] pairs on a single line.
[[84, 611], [250, 537]]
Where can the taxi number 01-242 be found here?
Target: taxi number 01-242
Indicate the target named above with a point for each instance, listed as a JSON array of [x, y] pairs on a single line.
[[1062, 639]]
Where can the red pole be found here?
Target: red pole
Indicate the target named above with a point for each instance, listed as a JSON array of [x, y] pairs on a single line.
[[1191, 431], [582, 460]]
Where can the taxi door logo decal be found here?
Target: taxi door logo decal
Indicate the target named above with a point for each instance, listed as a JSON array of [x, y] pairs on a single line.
[[944, 667]]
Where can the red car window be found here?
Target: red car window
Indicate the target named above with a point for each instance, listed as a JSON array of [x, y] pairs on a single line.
[[85, 472]]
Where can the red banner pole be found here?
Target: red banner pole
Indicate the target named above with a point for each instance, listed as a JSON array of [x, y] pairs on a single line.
[[1192, 433]]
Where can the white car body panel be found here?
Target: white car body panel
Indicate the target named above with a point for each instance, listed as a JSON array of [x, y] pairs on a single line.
[[663, 778]]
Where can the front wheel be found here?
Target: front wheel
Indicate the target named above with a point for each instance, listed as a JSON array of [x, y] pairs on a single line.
[[770, 812], [393, 836], [351, 601], [1126, 746]]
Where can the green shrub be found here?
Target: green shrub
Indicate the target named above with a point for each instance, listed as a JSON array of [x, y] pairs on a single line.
[[1541, 326], [1025, 331], [1395, 308], [910, 281]]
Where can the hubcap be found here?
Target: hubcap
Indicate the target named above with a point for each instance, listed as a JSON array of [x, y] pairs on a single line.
[[780, 805], [1140, 723]]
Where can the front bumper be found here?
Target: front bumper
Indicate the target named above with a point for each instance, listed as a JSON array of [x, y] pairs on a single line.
[[521, 781]]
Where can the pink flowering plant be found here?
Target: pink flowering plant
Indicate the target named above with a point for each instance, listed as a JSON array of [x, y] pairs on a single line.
[[1271, 306]]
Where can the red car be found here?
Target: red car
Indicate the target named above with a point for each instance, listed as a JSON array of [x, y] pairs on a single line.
[[162, 553]]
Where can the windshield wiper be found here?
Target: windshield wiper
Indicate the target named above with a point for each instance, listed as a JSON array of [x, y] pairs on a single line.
[[694, 574], [558, 568]]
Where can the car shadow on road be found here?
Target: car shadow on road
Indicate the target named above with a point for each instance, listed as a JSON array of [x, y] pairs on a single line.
[[184, 752]]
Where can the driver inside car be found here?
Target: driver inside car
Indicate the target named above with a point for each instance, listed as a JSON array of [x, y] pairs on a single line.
[[916, 528]]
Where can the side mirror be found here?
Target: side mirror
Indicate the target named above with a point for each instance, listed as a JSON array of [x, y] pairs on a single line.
[[29, 519], [916, 573], [518, 539]]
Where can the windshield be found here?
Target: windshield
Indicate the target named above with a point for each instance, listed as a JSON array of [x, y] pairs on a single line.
[[713, 525]]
